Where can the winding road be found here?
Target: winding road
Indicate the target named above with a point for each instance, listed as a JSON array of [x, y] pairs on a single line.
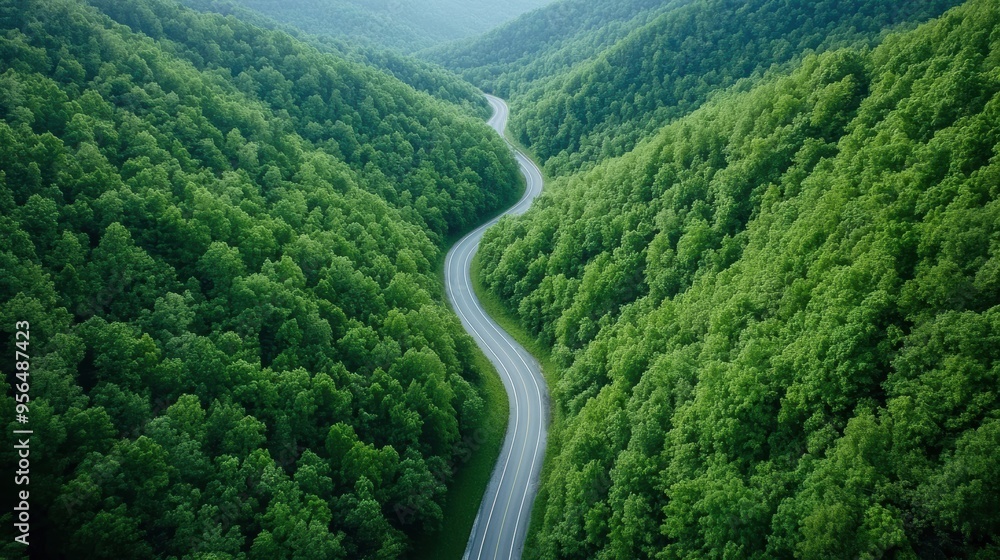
[[502, 520]]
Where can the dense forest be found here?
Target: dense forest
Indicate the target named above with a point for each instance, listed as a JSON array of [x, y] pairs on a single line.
[[606, 95], [767, 272], [542, 45], [421, 75], [776, 321], [402, 25], [225, 243]]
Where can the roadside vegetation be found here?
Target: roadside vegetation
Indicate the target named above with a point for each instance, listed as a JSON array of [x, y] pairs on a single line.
[[776, 319]]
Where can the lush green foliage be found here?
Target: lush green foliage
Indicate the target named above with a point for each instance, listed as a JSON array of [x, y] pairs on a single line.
[[405, 25], [224, 241], [542, 45], [355, 114], [603, 105], [780, 318], [423, 76]]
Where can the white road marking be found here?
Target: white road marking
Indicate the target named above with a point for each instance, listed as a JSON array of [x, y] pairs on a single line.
[[500, 346]]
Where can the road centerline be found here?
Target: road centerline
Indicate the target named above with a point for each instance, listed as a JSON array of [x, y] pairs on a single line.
[[514, 475]]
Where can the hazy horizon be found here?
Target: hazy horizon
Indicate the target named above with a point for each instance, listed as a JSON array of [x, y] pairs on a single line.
[[405, 25]]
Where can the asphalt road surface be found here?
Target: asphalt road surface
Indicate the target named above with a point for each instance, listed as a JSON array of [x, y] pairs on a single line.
[[502, 520]]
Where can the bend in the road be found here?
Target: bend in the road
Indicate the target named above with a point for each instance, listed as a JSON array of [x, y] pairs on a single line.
[[499, 528]]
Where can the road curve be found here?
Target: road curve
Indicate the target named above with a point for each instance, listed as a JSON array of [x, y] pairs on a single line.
[[502, 520]]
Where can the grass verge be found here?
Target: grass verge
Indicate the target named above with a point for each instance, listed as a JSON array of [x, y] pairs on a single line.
[[506, 319], [467, 488], [469, 485]]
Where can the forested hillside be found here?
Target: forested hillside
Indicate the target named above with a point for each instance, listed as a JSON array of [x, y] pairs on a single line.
[[422, 75], [405, 25], [627, 88], [224, 243], [355, 113], [542, 45], [777, 320]]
